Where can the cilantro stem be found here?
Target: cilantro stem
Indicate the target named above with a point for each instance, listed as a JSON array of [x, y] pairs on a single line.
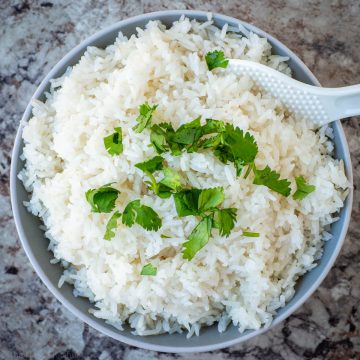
[[250, 234], [154, 184], [248, 170]]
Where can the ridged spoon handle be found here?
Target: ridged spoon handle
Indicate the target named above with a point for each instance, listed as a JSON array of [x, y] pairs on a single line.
[[320, 105]]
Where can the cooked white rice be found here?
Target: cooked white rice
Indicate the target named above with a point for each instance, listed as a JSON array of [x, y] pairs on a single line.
[[236, 279]]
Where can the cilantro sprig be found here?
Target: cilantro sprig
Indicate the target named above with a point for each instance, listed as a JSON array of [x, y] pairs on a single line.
[[228, 143], [134, 212], [144, 118], [102, 200], [303, 189], [171, 181], [233, 145], [165, 139], [215, 59], [143, 215], [270, 178], [203, 203]]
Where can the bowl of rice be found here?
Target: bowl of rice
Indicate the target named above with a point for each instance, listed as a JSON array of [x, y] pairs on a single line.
[[169, 203]]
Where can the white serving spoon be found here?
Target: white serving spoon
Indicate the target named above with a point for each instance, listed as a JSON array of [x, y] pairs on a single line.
[[318, 104]]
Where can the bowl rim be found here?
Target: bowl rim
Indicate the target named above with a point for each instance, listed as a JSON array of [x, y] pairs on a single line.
[[56, 291]]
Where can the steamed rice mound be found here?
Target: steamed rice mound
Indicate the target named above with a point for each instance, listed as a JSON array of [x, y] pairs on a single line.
[[236, 279]]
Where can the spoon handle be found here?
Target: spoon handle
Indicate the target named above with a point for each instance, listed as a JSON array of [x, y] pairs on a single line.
[[319, 105], [341, 102]]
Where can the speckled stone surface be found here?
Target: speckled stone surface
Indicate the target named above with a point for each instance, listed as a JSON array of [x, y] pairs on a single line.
[[34, 35]]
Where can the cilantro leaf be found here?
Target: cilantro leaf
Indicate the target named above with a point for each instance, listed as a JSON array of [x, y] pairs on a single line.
[[230, 144], [198, 238], [143, 215], [224, 220], [212, 142], [148, 270], [144, 118], [186, 202], [197, 201], [151, 165], [270, 178], [111, 225], [242, 146], [250, 234], [171, 180], [102, 200], [164, 138], [158, 137], [303, 189], [161, 137], [239, 148], [189, 133], [210, 198], [213, 126], [215, 59], [113, 143], [163, 191]]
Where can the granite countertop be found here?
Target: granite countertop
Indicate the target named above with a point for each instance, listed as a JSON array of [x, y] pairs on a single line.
[[34, 35]]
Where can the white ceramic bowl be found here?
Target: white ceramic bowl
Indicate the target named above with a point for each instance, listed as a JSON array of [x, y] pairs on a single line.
[[35, 244]]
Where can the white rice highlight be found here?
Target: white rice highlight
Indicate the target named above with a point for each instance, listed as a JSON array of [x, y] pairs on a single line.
[[235, 280]]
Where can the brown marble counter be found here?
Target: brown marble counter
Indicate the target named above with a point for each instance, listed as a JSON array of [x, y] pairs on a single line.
[[33, 36]]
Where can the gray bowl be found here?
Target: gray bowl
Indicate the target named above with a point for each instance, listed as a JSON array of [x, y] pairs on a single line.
[[35, 244]]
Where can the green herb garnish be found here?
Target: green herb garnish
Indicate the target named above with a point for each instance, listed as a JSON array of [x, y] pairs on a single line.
[[235, 146], [270, 178], [187, 135], [164, 138], [198, 238], [171, 180], [160, 137], [213, 126], [102, 200], [149, 270], [204, 203], [113, 143], [144, 118], [151, 165], [215, 59], [224, 220], [228, 143], [303, 189], [198, 201], [111, 225], [210, 198], [143, 215], [250, 234], [186, 202]]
